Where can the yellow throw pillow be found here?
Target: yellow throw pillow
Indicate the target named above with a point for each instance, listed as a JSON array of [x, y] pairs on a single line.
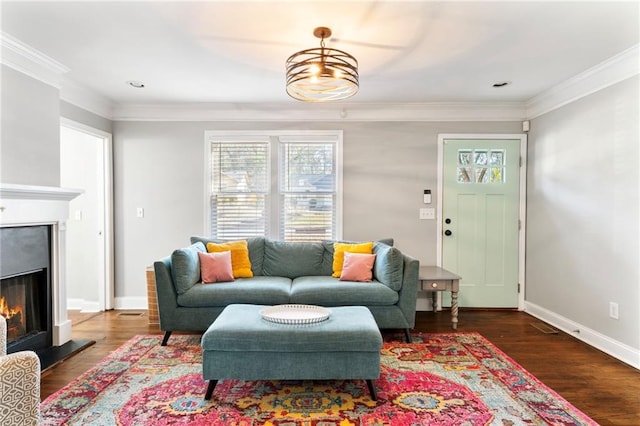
[[340, 248], [240, 262]]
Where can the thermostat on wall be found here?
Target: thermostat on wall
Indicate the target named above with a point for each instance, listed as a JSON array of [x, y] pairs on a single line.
[[427, 196]]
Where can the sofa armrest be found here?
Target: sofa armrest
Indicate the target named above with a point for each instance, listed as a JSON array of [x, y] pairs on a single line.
[[408, 294], [166, 292], [20, 389]]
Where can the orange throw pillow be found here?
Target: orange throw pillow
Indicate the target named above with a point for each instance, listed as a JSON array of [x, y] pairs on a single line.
[[240, 262]]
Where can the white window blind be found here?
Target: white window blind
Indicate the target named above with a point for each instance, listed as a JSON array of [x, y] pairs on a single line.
[[307, 191], [239, 192], [283, 186]]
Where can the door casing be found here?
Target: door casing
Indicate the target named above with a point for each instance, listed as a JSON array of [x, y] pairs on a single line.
[[523, 198]]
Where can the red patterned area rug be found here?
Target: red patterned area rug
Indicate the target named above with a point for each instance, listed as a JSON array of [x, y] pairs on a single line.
[[439, 379]]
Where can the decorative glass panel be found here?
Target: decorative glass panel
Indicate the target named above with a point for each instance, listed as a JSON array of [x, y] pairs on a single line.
[[496, 158], [473, 166], [482, 175], [465, 174], [497, 175], [480, 158], [464, 157]]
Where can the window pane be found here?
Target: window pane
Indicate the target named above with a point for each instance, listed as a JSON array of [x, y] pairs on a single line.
[[497, 175], [308, 217], [465, 174], [308, 167], [496, 158], [464, 158], [238, 216], [239, 184], [482, 175], [480, 158], [239, 167]]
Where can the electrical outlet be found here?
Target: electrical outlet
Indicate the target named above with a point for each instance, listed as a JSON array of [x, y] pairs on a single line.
[[613, 310]]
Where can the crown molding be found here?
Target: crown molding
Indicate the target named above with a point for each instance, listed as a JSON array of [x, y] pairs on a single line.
[[30, 61], [614, 70], [434, 111], [85, 98]]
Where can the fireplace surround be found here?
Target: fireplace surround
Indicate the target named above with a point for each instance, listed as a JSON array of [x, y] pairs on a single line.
[[43, 207]]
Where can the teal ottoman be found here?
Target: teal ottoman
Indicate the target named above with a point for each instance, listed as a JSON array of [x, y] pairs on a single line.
[[241, 345]]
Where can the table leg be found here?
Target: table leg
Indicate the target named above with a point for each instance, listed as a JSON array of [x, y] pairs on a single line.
[[434, 300], [454, 309]]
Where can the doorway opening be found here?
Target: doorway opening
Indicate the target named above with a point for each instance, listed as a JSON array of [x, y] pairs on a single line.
[[86, 163]]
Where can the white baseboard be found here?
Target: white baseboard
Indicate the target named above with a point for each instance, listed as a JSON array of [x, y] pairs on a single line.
[[131, 303], [83, 305], [616, 349]]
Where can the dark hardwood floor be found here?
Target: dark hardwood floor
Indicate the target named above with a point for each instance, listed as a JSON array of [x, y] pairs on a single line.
[[602, 387]]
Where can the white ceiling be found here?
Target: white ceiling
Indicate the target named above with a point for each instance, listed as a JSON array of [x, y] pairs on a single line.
[[408, 52]]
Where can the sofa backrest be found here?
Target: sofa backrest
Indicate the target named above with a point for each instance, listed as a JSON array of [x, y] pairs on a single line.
[[292, 260], [278, 258]]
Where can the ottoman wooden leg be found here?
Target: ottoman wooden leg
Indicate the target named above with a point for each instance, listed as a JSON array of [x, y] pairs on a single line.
[[210, 388], [372, 390]]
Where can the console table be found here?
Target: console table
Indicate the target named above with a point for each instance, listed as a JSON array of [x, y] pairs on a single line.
[[435, 279]]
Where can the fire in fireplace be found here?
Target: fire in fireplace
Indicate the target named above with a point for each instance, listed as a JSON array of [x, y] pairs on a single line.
[[21, 304]]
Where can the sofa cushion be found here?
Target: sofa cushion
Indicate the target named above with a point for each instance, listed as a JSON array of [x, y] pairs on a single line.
[[185, 266], [292, 260], [263, 290], [215, 267], [389, 266], [329, 291], [340, 248], [256, 250]]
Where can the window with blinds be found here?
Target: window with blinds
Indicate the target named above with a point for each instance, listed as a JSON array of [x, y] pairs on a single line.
[[283, 186], [239, 190]]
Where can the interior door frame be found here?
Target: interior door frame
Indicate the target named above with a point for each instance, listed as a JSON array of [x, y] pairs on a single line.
[[105, 293], [522, 137]]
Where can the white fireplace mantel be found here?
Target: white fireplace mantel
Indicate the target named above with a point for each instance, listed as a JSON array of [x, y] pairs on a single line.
[[27, 205]]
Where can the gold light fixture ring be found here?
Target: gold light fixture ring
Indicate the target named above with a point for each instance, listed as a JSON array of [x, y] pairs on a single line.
[[322, 74]]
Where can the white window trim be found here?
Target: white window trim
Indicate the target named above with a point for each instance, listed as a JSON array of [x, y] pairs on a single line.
[[283, 135]]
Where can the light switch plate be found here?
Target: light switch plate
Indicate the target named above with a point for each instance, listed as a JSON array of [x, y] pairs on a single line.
[[427, 213]]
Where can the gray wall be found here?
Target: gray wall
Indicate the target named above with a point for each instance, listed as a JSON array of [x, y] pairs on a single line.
[[582, 215], [160, 166], [30, 131]]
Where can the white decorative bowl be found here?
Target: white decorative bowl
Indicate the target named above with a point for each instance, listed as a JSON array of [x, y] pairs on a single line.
[[295, 314]]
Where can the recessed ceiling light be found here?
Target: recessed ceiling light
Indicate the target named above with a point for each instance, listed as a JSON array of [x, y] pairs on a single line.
[[136, 84], [501, 84]]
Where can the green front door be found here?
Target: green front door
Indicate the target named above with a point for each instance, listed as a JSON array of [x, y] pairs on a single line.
[[481, 199]]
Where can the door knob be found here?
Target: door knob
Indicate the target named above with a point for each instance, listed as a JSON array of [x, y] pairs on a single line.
[[447, 233]]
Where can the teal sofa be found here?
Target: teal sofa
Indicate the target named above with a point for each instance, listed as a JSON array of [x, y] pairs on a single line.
[[285, 273]]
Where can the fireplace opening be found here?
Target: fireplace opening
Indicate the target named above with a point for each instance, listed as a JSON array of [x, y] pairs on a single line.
[[23, 303], [25, 287]]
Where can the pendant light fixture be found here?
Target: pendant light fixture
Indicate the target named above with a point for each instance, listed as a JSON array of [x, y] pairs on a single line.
[[322, 74]]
